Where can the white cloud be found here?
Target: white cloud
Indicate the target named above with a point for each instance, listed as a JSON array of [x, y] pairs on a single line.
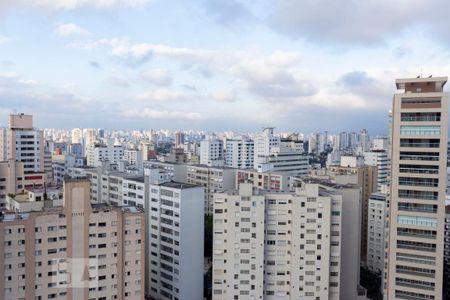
[[163, 114], [118, 82], [4, 40], [72, 4], [66, 29], [224, 95], [161, 95], [160, 77], [358, 22], [139, 53]]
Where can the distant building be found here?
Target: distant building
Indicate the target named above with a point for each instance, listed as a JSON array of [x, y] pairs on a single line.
[[379, 159], [99, 153], [239, 153], [211, 152], [25, 143], [179, 139]]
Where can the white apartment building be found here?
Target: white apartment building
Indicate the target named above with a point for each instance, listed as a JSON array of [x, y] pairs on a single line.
[[175, 218], [273, 154], [133, 157], [25, 143], [176, 172], [376, 232], [76, 135], [292, 163], [99, 153], [380, 144], [75, 251], [211, 152], [291, 145], [239, 153], [213, 179], [265, 144], [276, 245], [108, 185], [267, 181], [379, 159]]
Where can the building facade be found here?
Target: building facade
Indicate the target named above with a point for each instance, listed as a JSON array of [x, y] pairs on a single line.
[[213, 179], [239, 153], [175, 216], [376, 232], [25, 143], [76, 251], [419, 132], [270, 246], [211, 152]]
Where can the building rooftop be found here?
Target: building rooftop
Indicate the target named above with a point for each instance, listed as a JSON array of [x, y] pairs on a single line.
[[401, 83], [178, 185], [328, 183]]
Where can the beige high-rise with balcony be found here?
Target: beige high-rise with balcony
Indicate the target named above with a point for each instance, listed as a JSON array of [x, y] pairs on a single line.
[[417, 197]]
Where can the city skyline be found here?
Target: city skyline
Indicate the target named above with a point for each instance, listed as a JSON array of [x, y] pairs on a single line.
[[212, 65]]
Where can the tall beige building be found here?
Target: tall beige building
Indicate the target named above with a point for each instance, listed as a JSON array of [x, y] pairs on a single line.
[[74, 251], [365, 177], [25, 143], [419, 132]]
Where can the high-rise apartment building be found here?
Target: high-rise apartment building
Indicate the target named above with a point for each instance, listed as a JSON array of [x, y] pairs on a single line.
[[273, 154], [98, 153], [175, 217], [267, 181], [213, 179], [291, 245], [76, 136], [74, 251], [111, 186], [133, 157], [239, 153], [277, 245], [266, 143], [379, 159], [25, 143], [353, 171], [3, 143], [211, 152], [419, 133], [376, 232], [179, 139]]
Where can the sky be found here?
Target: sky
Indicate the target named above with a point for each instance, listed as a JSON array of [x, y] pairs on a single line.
[[216, 65]]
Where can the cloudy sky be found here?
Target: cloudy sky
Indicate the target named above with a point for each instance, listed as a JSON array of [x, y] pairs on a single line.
[[216, 65]]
